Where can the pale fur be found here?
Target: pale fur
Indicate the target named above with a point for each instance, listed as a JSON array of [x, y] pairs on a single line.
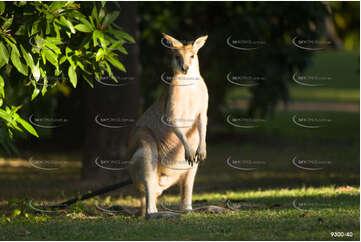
[[152, 143]]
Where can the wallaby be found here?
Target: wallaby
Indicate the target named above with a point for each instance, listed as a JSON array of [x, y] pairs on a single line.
[[157, 149], [162, 151]]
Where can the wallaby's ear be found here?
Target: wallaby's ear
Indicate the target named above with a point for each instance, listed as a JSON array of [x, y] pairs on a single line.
[[198, 43], [172, 41]]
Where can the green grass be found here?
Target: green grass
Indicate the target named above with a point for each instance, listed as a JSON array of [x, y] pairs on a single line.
[[342, 67], [265, 215], [319, 94], [343, 126]]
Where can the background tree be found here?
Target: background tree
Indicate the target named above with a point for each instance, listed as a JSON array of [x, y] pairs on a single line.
[[276, 61], [118, 102]]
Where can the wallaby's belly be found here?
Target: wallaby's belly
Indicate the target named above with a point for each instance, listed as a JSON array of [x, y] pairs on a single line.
[[171, 154], [170, 147]]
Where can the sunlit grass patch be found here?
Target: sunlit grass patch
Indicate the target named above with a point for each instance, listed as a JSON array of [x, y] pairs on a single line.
[[316, 213]]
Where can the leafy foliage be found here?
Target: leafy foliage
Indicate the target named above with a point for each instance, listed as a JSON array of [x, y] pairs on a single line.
[[346, 17], [61, 41]]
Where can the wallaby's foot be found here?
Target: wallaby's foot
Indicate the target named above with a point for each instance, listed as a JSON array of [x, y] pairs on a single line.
[[186, 211], [185, 208], [158, 215]]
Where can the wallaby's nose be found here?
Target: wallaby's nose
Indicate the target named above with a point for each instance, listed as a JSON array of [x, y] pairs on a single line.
[[185, 68]]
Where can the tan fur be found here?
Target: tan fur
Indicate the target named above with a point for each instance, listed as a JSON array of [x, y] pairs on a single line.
[[156, 150]]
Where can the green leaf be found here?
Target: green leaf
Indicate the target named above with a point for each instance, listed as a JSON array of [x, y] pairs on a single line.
[[82, 67], [45, 85], [50, 43], [28, 58], [67, 23], [53, 40], [4, 55], [67, 51], [36, 72], [95, 15], [118, 46], [16, 212], [27, 126], [51, 57], [2, 85], [115, 63], [56, 6], [35, 27], [87, 80], [91, 20], [56, 29], [109, 70], [15, 58], [48, 29], [62, 59], [99, 55], [110, 18], [83, 28], [35, 94], [2, 7], [72, 76], [101, 14], [123, 35], [97, 35], [21, 30], [8, 22], [87, 23], [5, 115]]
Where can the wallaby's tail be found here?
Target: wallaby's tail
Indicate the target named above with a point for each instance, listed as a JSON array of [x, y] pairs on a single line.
[[95, 193]]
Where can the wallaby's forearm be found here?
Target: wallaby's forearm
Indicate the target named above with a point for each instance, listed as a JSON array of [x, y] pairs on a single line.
[[181, 136], [202, 129]]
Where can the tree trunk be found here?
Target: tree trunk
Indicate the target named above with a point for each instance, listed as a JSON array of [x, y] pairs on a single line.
[[111, 109]]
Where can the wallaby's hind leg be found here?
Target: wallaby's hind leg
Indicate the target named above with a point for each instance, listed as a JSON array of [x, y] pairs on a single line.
[[186, 189], [143, 169]]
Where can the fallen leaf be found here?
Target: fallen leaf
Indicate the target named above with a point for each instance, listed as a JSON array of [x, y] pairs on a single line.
[[345, 188], [305, 214], [24, 232]]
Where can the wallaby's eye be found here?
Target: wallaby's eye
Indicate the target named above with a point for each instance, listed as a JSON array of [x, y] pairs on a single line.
[[192, 56], [177, 57]]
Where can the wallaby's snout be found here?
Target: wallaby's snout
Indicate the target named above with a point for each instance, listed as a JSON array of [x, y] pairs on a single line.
[[185, 68]]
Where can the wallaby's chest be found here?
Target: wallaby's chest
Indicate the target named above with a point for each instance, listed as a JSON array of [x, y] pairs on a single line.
[[188, 99]]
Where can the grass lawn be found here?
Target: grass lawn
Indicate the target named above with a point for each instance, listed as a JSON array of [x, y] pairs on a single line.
[[341, 68], [276, 214]]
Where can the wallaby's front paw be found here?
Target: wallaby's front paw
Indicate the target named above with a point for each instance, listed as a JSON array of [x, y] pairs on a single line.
[[190, 156], [201, 153]]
